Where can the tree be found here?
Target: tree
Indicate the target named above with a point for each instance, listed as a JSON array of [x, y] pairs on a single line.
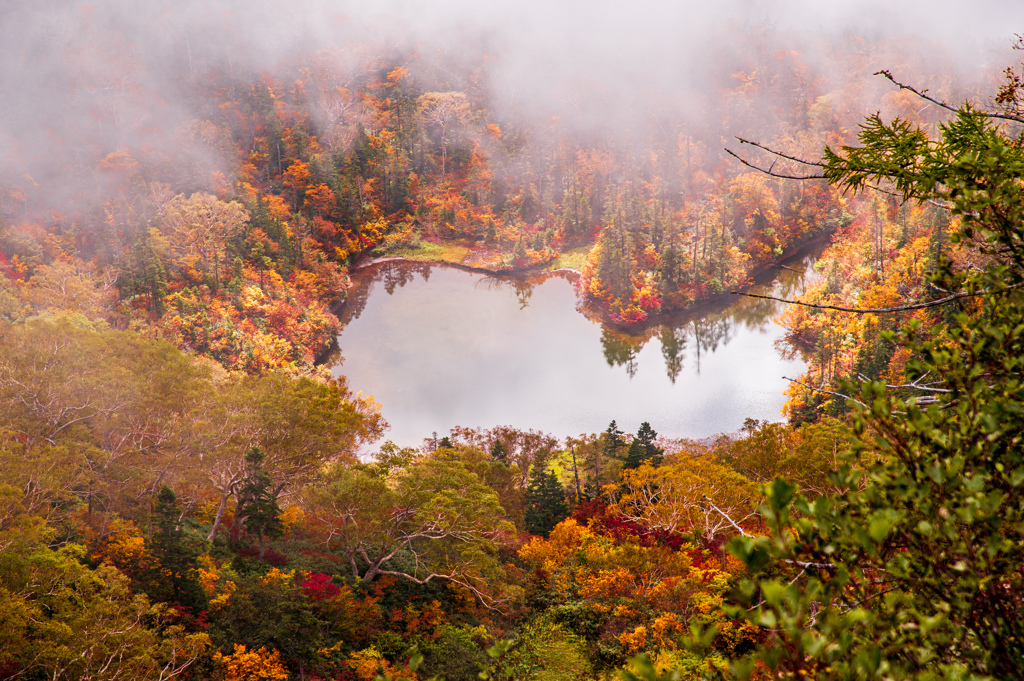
[[64, 286], [300, 425], [546, 505], [604, 452], [498, 452], [807, 455], [521, 447], [62, 619], [199, 226], [689, 495], [257, 501], [253, 665], [128, 406], [642, 448], [913, 569], [444, 111], [424, 519], [176, 579]]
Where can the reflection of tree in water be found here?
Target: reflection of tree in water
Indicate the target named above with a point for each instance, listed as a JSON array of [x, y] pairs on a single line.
[[620, 349], [711, 331], [673, 344], [522, 287], [716, 327], [756, 313], [523, 290], [397, 274], [697, 334], [393, 275], [707, 333]]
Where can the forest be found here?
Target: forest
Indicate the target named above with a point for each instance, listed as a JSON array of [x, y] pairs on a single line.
[[188, 493]]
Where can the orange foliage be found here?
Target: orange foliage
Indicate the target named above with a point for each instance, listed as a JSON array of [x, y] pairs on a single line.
[[652, 593], [256, 665]]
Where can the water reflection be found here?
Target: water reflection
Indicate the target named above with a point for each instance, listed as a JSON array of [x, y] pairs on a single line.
[[440, 347], [705, 329]]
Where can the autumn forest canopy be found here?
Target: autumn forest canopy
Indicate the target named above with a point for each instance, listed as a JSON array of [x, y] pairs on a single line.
[[187, 492]]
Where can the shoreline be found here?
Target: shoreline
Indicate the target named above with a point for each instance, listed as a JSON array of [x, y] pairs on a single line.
[[467, 268], [755, 279]]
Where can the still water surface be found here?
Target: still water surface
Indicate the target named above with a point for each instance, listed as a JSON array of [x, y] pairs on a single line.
[[440, 347]]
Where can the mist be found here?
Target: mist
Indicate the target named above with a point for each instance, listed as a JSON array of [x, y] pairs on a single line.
[[82, 81]]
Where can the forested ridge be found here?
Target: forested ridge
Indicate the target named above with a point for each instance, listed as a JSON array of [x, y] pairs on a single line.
[[182, 490]]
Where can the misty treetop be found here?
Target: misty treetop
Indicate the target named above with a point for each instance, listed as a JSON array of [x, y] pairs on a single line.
[[184, 491], [227, 224]]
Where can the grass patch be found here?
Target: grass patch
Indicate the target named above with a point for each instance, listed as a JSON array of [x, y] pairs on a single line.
[[573, 258], [459, 254], [428, 250], [547, 652]]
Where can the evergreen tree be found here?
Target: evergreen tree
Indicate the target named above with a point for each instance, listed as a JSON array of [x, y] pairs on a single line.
[[174, 579], [546, 505], [498, 452], [634, 456], [258, 501], [646, 436], [613, 441]]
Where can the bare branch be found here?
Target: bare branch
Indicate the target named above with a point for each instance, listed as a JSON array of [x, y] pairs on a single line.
[[922, 94], [771, 171], [883, 310], [724, 515], [826, 392], [799, 563], [773, 152], [916, 385]]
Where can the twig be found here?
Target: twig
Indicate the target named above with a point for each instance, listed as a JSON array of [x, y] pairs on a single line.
[[724, 515], [921, 93], [770, 171], [818, 164], [882, 310], [800, 563], [916, 385], [874, 595], [827, 392]]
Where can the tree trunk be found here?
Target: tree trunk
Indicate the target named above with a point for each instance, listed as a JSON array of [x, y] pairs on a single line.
[[576, 473], [217, 519]]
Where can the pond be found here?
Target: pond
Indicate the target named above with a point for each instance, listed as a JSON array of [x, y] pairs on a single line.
[[440, 347]]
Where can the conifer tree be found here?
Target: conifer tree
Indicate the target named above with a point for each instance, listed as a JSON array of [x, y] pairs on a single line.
[[258, 501], [498, 452], [545, 500], [175, 579], [642, 448]]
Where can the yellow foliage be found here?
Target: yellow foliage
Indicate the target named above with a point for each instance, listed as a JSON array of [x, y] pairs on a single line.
[[369, 663], [563, 541], [278, 578], [672, 497], [277, 208], [292, 516], [225, 596], [256, 665], [127, 549], [209, 575], [666, 628], [634, 641], [607, 584]]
